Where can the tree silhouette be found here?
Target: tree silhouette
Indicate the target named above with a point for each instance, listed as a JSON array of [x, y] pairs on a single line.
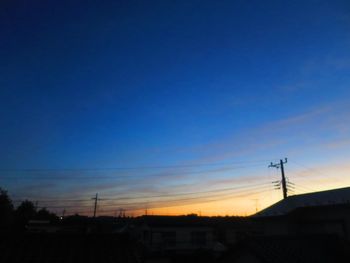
[[24, 212], [44, 214], [17, 219], [6, 209]]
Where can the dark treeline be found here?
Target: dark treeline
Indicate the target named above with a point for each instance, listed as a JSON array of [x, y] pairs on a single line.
[[16, 218]]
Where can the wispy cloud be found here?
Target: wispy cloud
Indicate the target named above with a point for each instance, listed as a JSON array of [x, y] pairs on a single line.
[[313, 132]]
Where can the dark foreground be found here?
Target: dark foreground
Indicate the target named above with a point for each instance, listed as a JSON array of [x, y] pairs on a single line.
[[108, 248]]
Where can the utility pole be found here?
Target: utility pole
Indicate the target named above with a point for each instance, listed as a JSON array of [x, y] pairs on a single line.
[[284, 184], [95, 198], [121, 212]]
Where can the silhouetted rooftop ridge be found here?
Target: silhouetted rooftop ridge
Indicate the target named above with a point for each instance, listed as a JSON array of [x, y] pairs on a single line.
[[327, 197]]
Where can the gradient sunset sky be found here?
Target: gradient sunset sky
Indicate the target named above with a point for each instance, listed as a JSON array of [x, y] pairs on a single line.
[[172, 106]]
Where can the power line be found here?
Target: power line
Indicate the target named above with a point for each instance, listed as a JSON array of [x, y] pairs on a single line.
[[304, 188], [162, 201], [184, 204], [152, 196], [190, 193], [213, 200], [129, 168], [52, 200], [120, 176], [307, 178], [238, 191], [316, 171]]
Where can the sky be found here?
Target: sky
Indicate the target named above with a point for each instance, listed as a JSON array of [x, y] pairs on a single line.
[[173, 107]]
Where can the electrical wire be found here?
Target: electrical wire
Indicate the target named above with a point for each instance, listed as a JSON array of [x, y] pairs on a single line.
[[149, 206], [159, 201], [254, 186], [122, 176], [129, 168]]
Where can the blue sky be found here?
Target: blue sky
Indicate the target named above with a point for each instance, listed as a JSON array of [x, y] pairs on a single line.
[[162, 83]]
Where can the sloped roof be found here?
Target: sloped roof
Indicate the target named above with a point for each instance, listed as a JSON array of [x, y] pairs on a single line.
[[334, 196]]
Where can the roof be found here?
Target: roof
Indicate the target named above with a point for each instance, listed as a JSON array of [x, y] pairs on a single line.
[[285, 206], [175, 221], [189, 221]]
